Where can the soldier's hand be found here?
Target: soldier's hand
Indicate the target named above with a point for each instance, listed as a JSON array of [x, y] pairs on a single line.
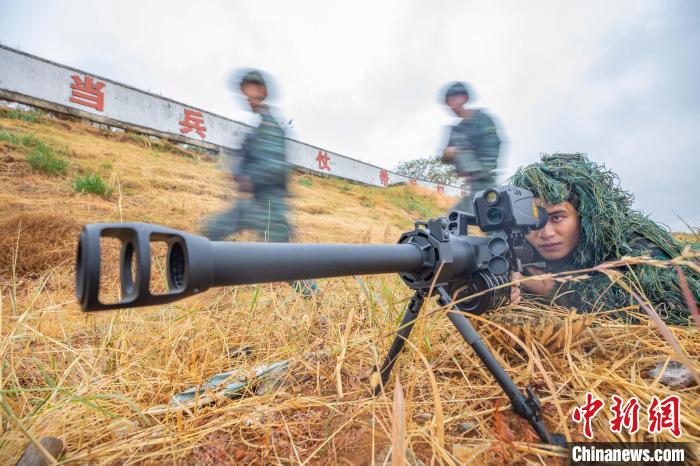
[[515, 295], [543, 287], [245, 184], [449, 154]]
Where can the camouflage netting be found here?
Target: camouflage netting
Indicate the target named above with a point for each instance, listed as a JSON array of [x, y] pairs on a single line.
[[610, 229]]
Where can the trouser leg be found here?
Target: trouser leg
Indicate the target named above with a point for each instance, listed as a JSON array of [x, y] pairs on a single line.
[[219, 226], [273, 225]]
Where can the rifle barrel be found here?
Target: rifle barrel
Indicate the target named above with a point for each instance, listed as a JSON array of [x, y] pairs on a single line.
[[246, 263], [195, 264]]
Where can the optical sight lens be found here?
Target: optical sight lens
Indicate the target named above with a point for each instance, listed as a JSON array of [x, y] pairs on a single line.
[[494, 215], [491, 197]]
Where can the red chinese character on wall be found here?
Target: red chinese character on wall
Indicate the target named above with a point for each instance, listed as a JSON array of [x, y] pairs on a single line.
[[87, 92], [587, 412], [665, 414], [440, 189], [413, 182], [322, 158], [384, 177], [625, 415], [193, 120]]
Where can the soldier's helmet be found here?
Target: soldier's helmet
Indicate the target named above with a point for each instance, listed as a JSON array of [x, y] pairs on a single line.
[[253, 76], [241, 76], [456, 88]]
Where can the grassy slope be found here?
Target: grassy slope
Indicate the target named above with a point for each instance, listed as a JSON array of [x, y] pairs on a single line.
[[87, 378]]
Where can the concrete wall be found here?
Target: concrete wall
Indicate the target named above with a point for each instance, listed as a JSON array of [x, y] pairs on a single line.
[[42, 83]]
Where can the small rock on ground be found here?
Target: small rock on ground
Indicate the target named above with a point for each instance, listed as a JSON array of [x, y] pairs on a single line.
[[464, 427], [676, 375]]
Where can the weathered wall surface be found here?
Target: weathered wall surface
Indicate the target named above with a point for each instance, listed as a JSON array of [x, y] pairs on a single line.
[[42, 83]]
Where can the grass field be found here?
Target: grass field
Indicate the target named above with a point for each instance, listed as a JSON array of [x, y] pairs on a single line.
[[94, 380]]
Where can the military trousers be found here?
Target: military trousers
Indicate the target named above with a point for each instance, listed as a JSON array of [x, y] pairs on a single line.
[[265, 214]]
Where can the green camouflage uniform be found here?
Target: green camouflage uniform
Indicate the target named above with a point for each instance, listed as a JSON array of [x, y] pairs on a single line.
[[263, 162], [610, 229], [478, 145]]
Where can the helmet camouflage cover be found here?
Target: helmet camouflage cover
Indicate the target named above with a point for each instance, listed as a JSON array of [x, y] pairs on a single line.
[[610, 229], [253, 76], [456, 88]]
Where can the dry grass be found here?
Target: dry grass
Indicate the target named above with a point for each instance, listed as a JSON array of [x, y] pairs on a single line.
[[90, 379], [41, 241]]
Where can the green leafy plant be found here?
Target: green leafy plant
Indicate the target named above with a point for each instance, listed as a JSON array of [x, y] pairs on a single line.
[[410, 202], [43, 158], [92, 183], [431, 169], [10, 138], [40, 156], [14, 114]]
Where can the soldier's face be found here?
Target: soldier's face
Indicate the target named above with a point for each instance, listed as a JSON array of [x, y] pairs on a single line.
[[255, 93], [456, 102], [559, 237]]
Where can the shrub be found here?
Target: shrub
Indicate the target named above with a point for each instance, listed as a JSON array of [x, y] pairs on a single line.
[[92, 183], [10, 138], [424, 210], [407, 200], [306, 182], [429, 168], [14, 114], [42, 158]]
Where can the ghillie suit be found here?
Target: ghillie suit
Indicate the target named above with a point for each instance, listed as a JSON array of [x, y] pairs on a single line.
[[610, 229]]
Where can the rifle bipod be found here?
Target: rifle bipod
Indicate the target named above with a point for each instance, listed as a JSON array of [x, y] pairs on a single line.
[[528, 407]]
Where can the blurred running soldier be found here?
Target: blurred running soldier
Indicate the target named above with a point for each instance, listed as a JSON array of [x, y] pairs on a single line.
[[591, 221], [473, 147], [263, 171]]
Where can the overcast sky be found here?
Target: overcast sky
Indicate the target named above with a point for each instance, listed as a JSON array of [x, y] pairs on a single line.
[[618, 80]]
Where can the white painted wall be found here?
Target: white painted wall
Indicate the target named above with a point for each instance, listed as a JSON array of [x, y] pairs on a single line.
[[27, 75]]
